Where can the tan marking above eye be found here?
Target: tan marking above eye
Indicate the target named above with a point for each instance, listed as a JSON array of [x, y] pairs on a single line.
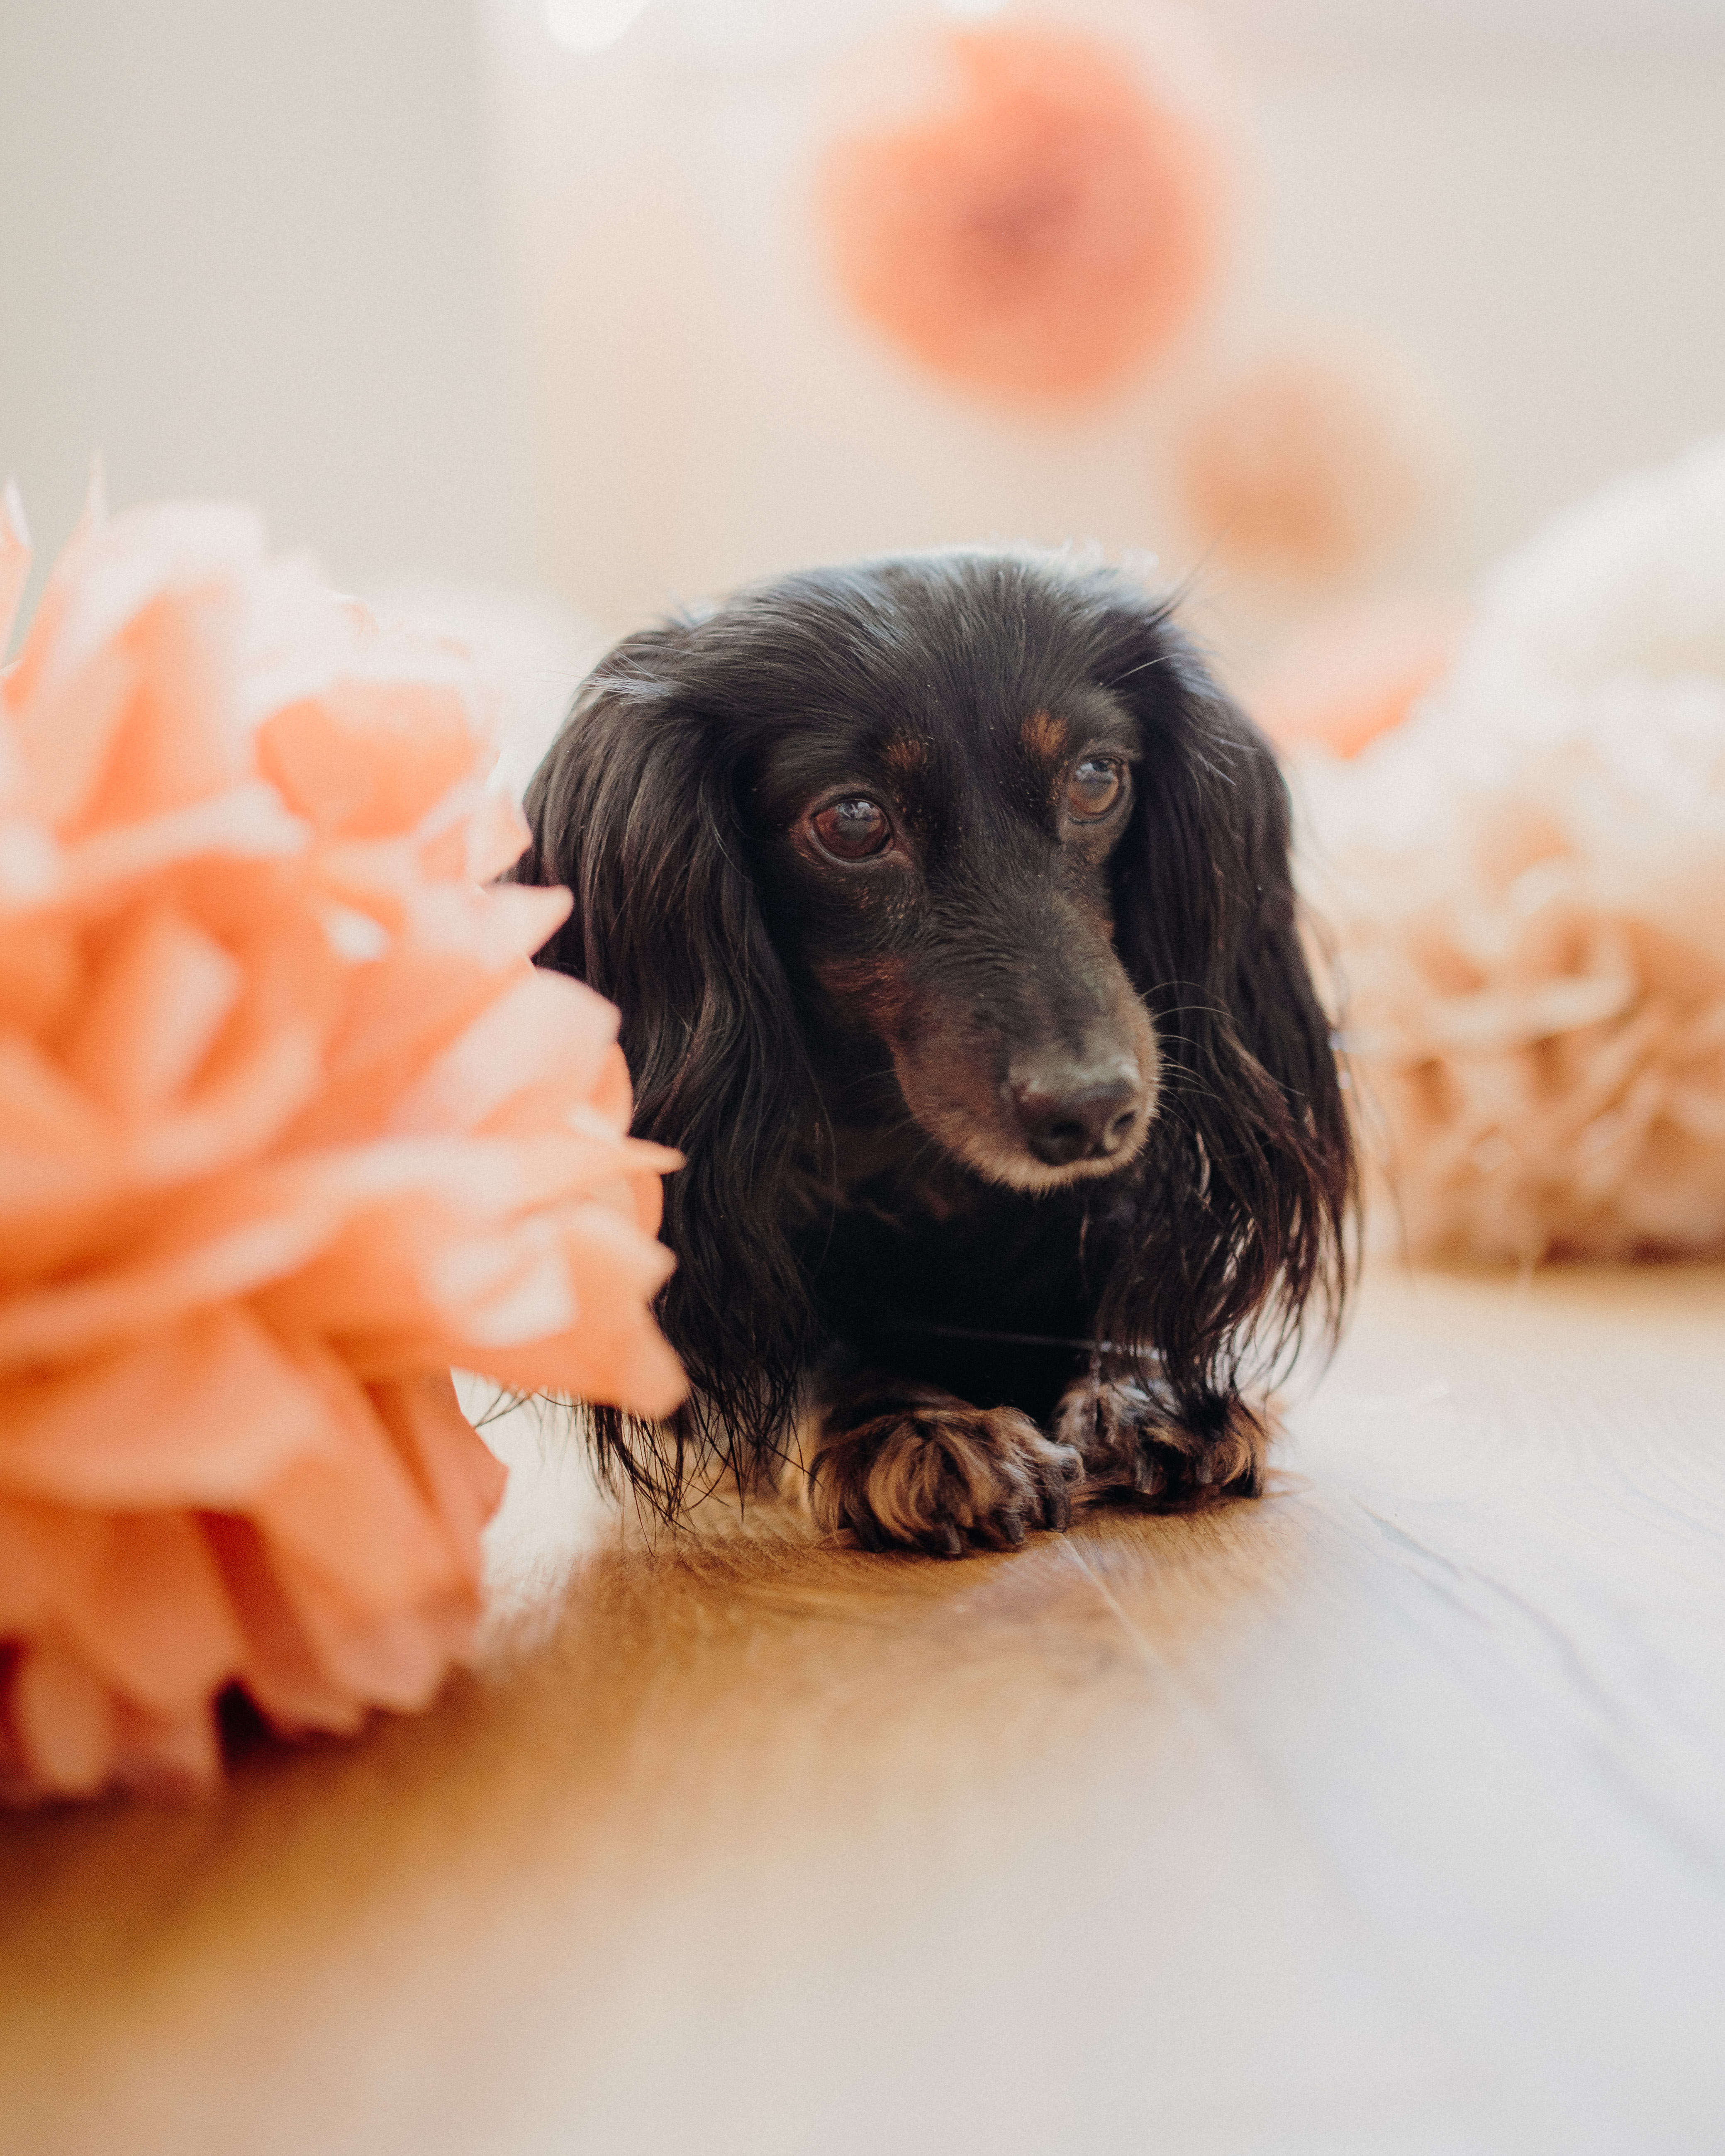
[[1045, 736], [904, 755]]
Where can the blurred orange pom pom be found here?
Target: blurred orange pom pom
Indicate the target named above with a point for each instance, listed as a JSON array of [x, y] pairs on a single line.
[[289, 1124], [1355, 674], [1044, 236], [1312, 466]]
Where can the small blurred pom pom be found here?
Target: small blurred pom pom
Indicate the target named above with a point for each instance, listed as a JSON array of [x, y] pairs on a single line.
[[1354, 674], [1043, 239], [289, 1124], [1312, 466]]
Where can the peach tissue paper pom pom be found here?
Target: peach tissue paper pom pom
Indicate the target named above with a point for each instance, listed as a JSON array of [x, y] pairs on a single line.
[[1524, 887], [1313, 465], [1355, 672], [1054, 228], [289, 1124]]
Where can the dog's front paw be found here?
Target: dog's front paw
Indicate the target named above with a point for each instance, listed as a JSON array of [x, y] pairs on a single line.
[[942, 1477], [1132, 1445]]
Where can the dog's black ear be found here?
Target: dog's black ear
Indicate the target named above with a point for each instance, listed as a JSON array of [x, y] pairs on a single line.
[[1249, 1186], [634, 808]]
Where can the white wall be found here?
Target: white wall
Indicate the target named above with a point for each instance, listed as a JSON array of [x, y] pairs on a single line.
[[1546, 221], [244, 248]]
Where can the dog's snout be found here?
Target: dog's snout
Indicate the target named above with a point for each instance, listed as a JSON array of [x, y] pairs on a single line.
[[1070, 1113]]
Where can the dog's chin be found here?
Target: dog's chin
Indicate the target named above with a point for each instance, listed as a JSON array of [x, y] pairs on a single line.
[[1022, 1171]]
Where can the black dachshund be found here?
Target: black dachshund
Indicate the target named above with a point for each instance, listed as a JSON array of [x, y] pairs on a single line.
[[946, 901]]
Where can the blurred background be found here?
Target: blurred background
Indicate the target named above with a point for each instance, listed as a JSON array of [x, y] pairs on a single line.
[[606, 305]]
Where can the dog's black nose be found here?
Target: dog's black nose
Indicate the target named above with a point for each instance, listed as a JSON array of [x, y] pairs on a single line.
[[1077, 1112]]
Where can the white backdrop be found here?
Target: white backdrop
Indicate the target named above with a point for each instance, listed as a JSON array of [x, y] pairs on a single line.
[[246, 248]]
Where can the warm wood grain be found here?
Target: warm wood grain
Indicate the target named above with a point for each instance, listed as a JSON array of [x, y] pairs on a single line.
[[1385, 1815]]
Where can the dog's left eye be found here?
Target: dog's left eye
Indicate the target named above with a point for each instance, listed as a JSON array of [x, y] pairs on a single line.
[[853, 829], [1094, 788]]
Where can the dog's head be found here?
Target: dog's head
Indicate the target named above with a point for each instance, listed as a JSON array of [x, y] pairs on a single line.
[[968, 843], [934, 789]]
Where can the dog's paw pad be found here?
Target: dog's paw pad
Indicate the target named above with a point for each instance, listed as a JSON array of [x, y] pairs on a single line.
[[944, 1480]]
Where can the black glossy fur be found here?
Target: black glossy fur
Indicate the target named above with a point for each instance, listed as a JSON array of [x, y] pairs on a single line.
[[1031, 1071]]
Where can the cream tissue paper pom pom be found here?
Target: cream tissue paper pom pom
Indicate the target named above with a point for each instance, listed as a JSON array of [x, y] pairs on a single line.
[[1522, 888]]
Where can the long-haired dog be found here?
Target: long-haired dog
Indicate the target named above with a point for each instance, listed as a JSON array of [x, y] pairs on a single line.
[[948, 904]]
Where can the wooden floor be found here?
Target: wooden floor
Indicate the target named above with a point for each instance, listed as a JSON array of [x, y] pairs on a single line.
[[1386, 1815]]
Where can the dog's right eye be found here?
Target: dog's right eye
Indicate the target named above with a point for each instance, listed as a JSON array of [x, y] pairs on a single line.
[[853, 829]]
